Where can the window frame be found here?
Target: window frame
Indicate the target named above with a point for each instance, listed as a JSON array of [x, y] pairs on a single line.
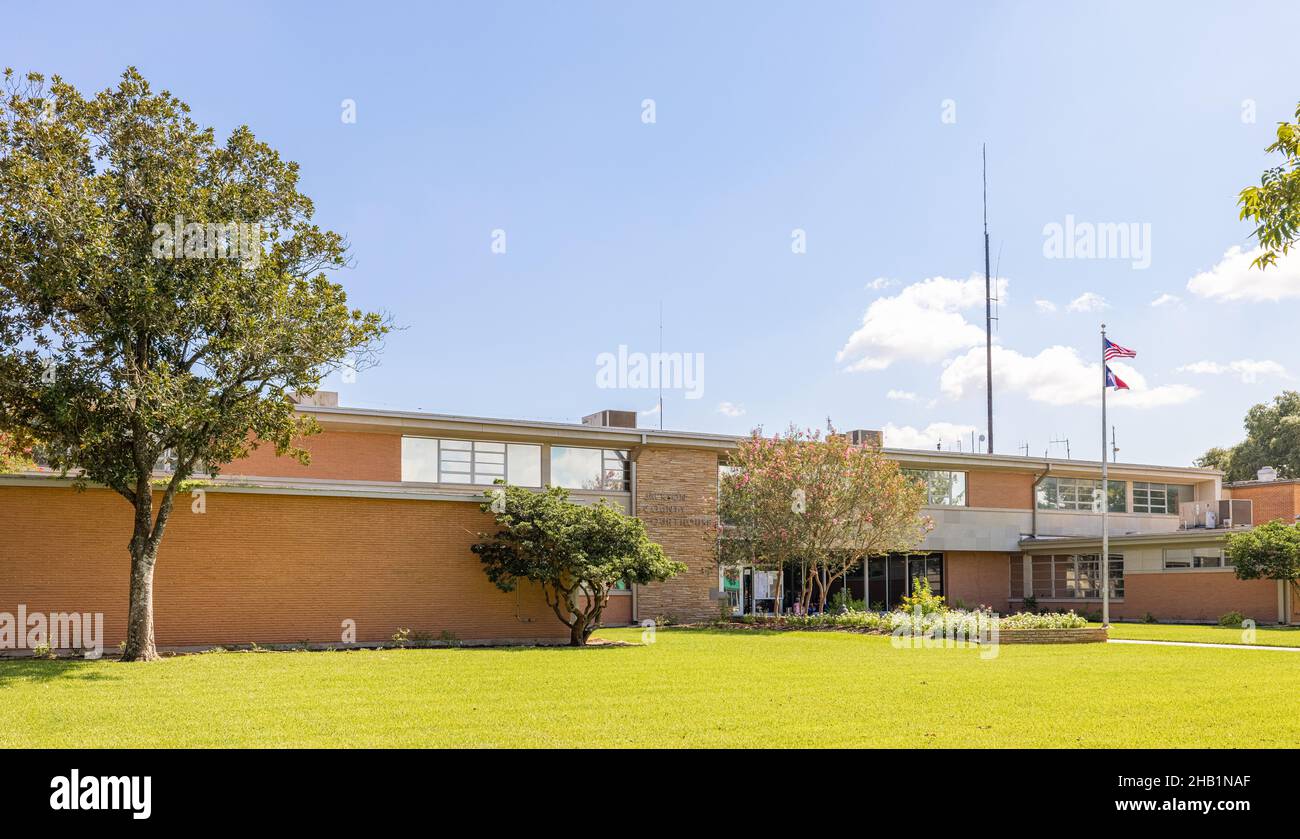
[[622, 457], [1066, 491], [443, 476], [931, 498]]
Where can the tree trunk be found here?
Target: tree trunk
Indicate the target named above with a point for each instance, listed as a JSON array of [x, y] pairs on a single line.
[[578, 632], [144, 554], [139, 618]]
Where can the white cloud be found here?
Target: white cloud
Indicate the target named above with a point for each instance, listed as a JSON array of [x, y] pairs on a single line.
[[1089, 301], [901, 395], [1166, 300], [1045, 306], [922, 323], [1247, 369], [1056, 376], [731, 409], [1233, 278], [936, 433], [881, 283]]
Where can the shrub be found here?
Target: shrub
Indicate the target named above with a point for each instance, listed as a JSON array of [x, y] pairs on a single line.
[[923, 599], [1233, 619], [1031, 604], [843, 602], [402, 636], [449, 638], [1149, 618], [42, 651], [1092, 617]]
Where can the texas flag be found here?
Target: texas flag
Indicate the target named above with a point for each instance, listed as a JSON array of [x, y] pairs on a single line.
[[1114, 381]]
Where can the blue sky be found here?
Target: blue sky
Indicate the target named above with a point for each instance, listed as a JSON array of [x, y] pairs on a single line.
[[769, 118]]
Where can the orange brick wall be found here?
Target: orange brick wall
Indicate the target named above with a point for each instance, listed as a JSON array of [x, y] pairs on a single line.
[[265, 568], [677, 497], [977, 578], [1012, 490], [335, 455], [1194, 596], [1271, 501]]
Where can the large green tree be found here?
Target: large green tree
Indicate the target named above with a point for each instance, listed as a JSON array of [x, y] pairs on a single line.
[[162, 298], [1272, 439], [1270, 551], [575, 552], [1274, 205]]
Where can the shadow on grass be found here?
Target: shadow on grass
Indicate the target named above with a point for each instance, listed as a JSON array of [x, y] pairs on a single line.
[[47, 670]]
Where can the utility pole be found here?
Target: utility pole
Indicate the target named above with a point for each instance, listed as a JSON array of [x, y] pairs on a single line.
[[988, 300]]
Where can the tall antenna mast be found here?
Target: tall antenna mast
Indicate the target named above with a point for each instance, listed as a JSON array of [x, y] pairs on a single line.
[[661, 365], [988, 299]]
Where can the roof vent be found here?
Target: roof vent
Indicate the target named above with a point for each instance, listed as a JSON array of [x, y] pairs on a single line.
[[611, 419], [865, 437], [319, 399], [1266, 473]]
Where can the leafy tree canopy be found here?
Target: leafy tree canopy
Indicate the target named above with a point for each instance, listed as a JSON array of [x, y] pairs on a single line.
[[1270, 551], [1274, 205], [160, 291], [575, 552], [1272, 439]]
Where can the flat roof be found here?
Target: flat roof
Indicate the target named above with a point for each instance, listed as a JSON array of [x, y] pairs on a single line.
[[417, 422], [1191, 535]]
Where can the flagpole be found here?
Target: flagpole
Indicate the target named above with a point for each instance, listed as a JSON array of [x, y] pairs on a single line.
[[1105, 496]]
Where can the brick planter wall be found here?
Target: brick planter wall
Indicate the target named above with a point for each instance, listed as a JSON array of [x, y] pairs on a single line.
[[1087, 635]]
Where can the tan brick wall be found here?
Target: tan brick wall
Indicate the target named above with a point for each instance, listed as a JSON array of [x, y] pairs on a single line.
[[977, 578], [335, 455], [677, 497], [265, 568], [1193, 596], [1012, 490], [1268, 502]]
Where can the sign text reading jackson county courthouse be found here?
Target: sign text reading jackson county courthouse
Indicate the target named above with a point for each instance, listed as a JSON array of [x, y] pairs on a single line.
[[668, 509]]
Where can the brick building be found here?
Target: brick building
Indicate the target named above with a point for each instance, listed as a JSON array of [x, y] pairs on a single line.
[[375, 534]]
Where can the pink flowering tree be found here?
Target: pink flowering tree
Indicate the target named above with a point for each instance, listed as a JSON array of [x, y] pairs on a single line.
[[816, 504]]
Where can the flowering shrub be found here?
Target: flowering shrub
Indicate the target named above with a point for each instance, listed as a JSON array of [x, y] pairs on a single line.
[[1045, 620]]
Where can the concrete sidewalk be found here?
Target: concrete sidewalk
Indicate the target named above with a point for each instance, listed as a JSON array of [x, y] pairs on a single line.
[[1203, 644]]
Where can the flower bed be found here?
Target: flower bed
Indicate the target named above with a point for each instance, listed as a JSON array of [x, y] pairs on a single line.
[[1023, 627]]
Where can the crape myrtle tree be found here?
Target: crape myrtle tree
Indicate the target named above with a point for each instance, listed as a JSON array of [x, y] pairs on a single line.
[[816, 504], [575, 552], [162, 297], [1270, 551]]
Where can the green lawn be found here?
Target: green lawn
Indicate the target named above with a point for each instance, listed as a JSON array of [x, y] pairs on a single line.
[[691, 688], [1274, 637]]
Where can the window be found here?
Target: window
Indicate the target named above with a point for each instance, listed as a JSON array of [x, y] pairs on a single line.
[[433, 460], [942, 488], [1159, 498], [601, 469], [1077, 576], [1177, 559], [1080, 494]]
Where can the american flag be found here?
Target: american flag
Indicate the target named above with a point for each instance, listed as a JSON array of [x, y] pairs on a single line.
[[1110, 350]]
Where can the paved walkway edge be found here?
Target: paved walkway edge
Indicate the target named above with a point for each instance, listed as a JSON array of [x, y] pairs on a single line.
[[1203, 644]]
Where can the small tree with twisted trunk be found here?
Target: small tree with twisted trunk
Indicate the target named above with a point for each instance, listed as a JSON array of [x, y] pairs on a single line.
[[129, 330], [817, 504], [576, 552]]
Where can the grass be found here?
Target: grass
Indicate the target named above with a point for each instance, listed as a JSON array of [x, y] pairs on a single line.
[[690, 688], [1272, 637]]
